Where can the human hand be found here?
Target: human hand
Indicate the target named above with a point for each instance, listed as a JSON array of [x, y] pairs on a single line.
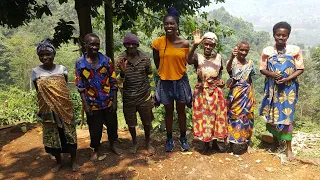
[[277, 75], [234, 52], [197, 37], [123, 65], [114, 106], [281, 81], [87, 108]]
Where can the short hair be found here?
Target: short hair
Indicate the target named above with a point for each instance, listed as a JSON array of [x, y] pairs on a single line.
[[89, 36], [242, 42], [172, 12], [283, 25]]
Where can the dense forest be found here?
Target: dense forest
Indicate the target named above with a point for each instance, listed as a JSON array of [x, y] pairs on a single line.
[[18, 57]]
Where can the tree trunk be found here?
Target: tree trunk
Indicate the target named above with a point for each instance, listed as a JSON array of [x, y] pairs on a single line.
[[84, 17], [109, 28]]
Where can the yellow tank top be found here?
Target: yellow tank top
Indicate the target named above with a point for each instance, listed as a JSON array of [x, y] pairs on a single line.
[[173, 60]]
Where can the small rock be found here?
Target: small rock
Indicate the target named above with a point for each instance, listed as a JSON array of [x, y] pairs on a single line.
[[236, 155], [228, 159], [185, 167], [160, 166], [220, 161], [240, 159], [102, 157], [248, 176], [131, 168], [258, 161], [269, 169], [37, 158]]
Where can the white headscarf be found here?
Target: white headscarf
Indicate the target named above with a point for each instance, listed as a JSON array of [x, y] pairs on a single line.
[[210, 36]]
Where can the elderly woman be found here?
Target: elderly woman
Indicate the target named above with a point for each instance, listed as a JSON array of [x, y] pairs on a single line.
[[209, 116], [55, 106], [240, 100], [281, 64]]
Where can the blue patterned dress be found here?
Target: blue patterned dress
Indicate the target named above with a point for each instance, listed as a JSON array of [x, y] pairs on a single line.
[[279, 100]]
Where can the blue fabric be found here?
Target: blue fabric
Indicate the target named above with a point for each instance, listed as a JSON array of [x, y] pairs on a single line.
[[167, 91], [280, 99]]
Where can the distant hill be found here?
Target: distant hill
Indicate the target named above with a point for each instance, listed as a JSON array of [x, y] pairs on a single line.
[[263, 14]]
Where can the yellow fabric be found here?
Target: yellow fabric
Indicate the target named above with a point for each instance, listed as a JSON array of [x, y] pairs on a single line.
[[53, 95], [173, 60]]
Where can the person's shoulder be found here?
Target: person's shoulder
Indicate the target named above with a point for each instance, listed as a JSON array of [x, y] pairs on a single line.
[[80, 59], [268, 50], [36, 69], [293, 49], [185, 43], [159, 39]]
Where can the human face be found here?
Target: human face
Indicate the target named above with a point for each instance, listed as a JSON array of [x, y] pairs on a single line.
[[281, 36], [170, 26], [208, 46], [243, 51], [92, 46], [46, 57], [131, 48]]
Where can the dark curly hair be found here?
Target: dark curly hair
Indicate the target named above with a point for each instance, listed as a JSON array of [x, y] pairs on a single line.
[[172, 12], [283, 25]]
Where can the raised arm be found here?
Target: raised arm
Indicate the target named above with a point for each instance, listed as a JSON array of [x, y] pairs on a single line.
[[196, 41]]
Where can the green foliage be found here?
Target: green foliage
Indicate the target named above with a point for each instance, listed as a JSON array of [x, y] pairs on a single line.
[[17, 106]]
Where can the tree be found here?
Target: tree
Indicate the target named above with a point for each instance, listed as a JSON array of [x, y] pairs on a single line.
[[15, 13]]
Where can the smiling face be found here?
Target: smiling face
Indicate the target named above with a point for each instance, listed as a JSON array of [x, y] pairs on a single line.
[[243, 50], [46, 57], [131, 48], [170, 25], [281, 36], [92, 45], [208, 47]]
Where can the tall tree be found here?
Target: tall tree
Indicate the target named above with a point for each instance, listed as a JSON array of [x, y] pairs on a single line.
[[14, 13]]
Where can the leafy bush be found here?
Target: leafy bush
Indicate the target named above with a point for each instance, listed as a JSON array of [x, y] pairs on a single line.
[[18, 106]]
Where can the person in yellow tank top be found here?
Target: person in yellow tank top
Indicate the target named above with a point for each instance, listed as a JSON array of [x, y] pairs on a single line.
[[170, 57]]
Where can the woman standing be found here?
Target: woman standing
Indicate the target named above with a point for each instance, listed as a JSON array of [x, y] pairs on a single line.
[[55, 106], [240, 100], [170, 57], [209, 116], [281, 64]]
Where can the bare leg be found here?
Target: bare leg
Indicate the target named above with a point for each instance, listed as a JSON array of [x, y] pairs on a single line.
[[182, 119], [74, 164], [135, 146], [169, 118], [275, 144], [289, 152], [147, 132], [57, 167]]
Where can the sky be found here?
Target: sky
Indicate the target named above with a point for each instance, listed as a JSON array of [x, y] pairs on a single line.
[[303, 15]]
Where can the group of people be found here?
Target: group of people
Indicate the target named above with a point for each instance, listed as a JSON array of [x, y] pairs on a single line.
[[227, 122]]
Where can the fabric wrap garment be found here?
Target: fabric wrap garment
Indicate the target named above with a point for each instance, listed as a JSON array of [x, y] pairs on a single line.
[[55, 109]]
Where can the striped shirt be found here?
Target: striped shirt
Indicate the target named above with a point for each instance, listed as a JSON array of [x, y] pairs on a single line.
[[137, 78]]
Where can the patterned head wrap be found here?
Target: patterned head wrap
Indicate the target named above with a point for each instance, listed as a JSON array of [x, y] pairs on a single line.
[[131, 38], [210, 36], [46, 45]]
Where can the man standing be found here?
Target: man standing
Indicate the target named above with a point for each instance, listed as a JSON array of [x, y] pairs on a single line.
[[97, 85], [135, 69]]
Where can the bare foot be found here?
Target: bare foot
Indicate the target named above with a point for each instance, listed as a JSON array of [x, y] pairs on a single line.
[[116, 150], [56, 168], [75, 166], [150, 149], [250, 150], [290, 155], [134, 149], [94, 156]]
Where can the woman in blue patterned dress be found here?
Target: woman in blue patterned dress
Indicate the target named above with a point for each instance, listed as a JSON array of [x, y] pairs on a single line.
[[281, 64]]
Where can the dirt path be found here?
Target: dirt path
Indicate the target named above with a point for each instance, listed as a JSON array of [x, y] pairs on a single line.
[[23, 157]]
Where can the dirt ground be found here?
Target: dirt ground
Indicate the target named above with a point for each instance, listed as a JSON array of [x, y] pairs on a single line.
[[22, 156]]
